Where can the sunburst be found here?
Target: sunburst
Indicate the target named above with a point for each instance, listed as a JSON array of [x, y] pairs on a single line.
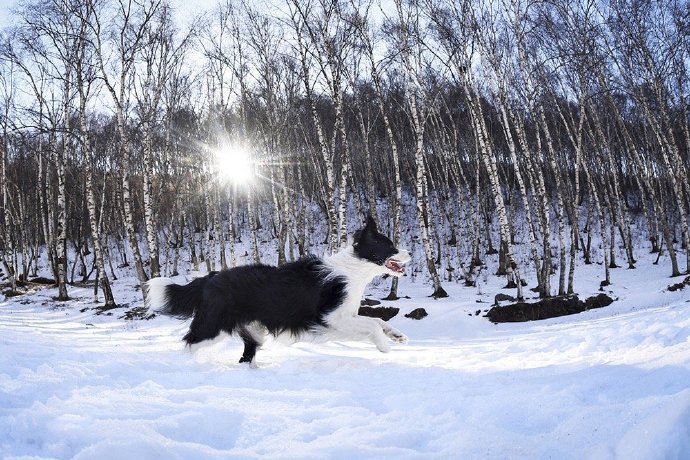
[[234, 165]]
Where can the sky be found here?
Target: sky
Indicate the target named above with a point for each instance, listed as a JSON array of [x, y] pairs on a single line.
[[5, 7], [185, 9]]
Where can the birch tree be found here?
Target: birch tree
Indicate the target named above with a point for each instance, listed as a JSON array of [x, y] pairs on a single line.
[[47, 36], [85, 72], [410, 55], [298, 21], [6, 246], [127, 33], [365, 34]]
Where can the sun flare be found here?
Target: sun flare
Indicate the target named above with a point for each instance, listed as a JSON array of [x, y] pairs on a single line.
[[234, 164]]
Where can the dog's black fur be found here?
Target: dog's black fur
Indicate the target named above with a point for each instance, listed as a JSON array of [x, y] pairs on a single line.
[[292, 298]]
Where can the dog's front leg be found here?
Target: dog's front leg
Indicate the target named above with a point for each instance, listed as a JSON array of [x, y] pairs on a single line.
[[392, 333], [360, 327]]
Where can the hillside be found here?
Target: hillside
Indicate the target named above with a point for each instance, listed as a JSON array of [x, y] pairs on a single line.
[[607, 383]]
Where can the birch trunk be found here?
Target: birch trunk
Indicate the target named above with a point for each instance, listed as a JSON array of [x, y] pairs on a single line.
[[673, 165], [128, 212], [299, 212], [575, 136], [284, 234], [128, 41], [422, 199], [643, 177], [594, 196], [7, 249], [253, 227], [218, 225], [326, 155], [512, 148], [43, 209], [209, 238], [281, 237], [101, 275], [397, 182], [345, 162], [617, 211], [551, 151], [411, 95], [368, 169], [61, 228], [231, 231], [149, 218], [489, 160]]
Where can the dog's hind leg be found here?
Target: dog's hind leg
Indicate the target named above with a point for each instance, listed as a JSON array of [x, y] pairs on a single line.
[[253, 337], [205, 325]]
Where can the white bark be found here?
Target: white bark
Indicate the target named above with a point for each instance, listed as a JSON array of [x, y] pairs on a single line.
[[326, 154], [61, 228], [127, 34], [412, 89], [560, 208], [83, 88]]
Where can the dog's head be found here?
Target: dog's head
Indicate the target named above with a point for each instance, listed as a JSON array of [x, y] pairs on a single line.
[[376, 248]]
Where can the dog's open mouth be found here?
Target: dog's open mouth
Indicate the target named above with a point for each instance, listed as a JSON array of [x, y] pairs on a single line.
[[395, 265]]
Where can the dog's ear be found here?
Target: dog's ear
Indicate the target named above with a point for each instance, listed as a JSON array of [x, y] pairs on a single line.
[[370, 225], [369, 228]]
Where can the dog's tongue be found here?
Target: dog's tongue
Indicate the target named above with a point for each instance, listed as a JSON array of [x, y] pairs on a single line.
[[395, 266]]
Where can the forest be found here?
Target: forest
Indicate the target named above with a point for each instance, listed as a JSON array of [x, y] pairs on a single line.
[[549, 132]]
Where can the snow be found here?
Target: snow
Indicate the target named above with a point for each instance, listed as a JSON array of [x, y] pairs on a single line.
[[605, 384]]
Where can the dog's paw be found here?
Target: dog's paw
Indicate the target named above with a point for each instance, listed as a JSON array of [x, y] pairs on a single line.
[[396, 336], [400, 338], [250, 361]]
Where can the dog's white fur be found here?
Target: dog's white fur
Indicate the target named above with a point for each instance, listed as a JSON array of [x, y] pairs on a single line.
[[155, 291], [344, 322]]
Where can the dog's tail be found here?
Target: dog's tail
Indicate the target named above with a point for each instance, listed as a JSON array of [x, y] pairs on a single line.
[[168, 298]]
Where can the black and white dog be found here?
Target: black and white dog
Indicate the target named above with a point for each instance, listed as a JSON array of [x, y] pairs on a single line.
[[308, 297]]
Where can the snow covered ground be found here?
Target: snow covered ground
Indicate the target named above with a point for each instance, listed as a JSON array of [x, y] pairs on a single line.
[[604, 384]]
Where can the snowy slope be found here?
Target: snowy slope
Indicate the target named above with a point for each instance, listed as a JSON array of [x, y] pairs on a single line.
[[608, 383]]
